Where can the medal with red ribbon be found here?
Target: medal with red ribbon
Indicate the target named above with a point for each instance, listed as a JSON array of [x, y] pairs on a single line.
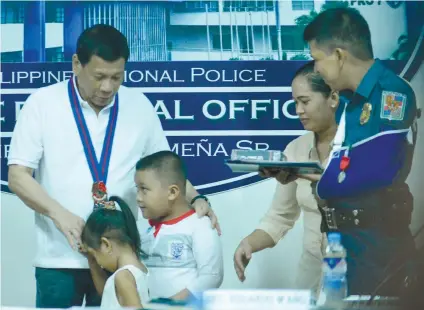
[[99, 170], [344, 164]]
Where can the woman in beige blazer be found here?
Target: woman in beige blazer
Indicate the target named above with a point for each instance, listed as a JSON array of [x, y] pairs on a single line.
[[316, 106]]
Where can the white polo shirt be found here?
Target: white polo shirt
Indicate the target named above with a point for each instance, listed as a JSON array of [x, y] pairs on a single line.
[[46, 138], [182, 253]]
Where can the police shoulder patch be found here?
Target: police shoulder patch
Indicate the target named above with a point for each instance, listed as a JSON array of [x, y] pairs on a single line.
[[393, 106]]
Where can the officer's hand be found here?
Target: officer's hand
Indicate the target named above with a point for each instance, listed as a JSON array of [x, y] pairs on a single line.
[[242, 257], [281, 175]]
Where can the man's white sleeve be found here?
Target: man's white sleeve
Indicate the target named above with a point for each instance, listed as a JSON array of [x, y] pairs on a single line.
[[26, 147]]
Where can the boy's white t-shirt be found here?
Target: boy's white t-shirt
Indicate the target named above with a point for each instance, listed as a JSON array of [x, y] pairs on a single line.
[[109, 298], [183, 253]]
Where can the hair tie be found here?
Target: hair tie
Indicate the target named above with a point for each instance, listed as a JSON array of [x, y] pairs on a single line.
[[105, 205], [109, 205]]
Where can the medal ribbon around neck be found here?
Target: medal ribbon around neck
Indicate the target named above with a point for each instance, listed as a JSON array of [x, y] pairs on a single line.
[[99, 170]]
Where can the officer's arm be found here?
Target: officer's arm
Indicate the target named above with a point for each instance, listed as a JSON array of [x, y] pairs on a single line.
[[409, 118]]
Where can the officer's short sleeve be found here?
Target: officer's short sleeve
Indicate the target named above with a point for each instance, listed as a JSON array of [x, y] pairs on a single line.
[[398, 108], [26, 147]]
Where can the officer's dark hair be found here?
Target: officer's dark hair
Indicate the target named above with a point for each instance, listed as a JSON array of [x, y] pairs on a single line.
[[316, 82], [342, 28], [103, 41], [168, 166], [118, 225]]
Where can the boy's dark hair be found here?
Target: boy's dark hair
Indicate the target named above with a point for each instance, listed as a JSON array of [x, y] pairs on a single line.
[[103, 41], [341, 28], [169, 167], [315, 80], [112, 224]]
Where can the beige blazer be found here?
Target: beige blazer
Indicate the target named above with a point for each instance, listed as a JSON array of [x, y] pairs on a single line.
[[289, 202]]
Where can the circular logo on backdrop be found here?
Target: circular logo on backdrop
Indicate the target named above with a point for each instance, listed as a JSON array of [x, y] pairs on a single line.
[[207, 108], [394, 4]]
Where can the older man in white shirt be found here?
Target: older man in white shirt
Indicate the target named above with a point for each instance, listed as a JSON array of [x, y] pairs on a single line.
[[81, 136]]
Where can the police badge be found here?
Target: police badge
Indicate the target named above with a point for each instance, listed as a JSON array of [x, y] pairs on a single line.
[[365, 114]]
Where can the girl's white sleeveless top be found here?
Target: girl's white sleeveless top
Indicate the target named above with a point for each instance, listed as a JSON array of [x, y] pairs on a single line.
[[109, 298]]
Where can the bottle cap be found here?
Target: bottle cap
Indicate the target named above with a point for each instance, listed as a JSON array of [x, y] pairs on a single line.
[[334, 237]]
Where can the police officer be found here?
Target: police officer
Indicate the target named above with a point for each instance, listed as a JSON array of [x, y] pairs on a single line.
[[363, 188]]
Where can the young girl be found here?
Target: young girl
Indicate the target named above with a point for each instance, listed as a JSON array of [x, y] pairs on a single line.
[[112, 243]]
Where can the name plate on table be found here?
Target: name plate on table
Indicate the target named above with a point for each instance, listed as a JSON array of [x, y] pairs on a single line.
[[256, 299]]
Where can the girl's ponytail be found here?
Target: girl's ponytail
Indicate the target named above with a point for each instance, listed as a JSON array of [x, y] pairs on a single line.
[[131, 224]]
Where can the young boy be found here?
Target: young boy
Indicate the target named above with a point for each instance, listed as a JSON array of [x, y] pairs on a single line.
[[182, 251], [364, 182]]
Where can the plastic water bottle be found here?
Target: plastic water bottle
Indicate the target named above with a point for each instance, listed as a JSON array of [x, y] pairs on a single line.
[[334, 267]]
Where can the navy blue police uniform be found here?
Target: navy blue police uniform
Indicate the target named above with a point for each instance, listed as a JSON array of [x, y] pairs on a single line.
[[362, 192]]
